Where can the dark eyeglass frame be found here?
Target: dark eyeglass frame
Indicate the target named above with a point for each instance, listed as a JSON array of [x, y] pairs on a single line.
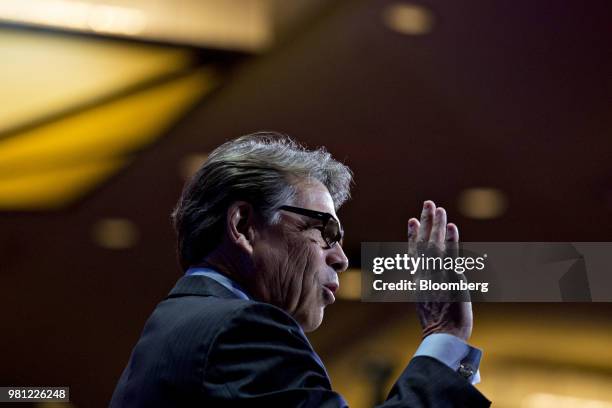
[[323, 217]]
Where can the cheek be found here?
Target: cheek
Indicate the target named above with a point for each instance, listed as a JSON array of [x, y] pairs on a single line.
[[312, 290], [302, 280], [286, 270], [269, 264], [310, 314], [311, 297], [289, 276], [312, 276]]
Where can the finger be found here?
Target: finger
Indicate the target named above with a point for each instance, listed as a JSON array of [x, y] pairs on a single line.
[[438, 230], [427, 216], [452, 233], [413, 234], [452, 240], [413, 230]]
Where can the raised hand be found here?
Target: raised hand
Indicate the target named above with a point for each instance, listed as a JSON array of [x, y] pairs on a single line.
[[433, 231]]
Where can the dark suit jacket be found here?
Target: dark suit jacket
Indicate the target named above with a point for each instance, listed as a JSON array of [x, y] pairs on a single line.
[[203, 347]]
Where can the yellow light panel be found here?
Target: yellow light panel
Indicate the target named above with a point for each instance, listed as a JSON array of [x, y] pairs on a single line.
[[52, 165], [54, 188], [43, 74]]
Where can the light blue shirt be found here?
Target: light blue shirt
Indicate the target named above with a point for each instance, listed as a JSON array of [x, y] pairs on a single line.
[[446, 348], [453, 352]]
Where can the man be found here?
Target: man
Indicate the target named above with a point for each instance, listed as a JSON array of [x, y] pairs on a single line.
[[261, 245]]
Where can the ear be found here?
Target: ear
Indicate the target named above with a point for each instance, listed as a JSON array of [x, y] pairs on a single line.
[[240, 225]]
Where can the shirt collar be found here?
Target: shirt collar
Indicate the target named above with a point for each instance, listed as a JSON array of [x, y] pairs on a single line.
[[219, 278]]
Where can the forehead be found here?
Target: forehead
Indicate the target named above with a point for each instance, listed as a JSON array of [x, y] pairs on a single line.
[[313, 195]]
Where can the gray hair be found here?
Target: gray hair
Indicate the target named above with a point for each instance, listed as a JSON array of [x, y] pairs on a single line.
[[262, 169]]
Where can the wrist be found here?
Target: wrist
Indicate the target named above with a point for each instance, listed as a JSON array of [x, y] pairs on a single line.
[[461, 333]]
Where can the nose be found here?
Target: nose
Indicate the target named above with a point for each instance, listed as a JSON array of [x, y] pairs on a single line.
[[336, 258]]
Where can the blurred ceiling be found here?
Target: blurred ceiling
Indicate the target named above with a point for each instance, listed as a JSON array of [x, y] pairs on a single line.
[[499, 111], [34, 78], [241, 25]]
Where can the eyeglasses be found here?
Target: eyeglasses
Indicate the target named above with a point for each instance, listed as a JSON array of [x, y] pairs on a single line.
[[331, 231]]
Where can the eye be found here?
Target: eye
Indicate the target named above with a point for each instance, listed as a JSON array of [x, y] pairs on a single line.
[[318, 236], [304, 226]]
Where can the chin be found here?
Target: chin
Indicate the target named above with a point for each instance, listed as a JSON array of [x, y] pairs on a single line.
[[312, 321]]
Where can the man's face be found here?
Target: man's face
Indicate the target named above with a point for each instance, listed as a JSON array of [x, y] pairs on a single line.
[[295, 268]]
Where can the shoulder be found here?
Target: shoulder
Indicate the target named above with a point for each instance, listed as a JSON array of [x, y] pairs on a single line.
[[198, 302], [264, 314], [253, 322], [264, 331], [225, 314], [262, 354], [208, 323]]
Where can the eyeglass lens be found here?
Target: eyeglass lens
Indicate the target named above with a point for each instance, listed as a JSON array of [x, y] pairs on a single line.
[[331, 233]]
